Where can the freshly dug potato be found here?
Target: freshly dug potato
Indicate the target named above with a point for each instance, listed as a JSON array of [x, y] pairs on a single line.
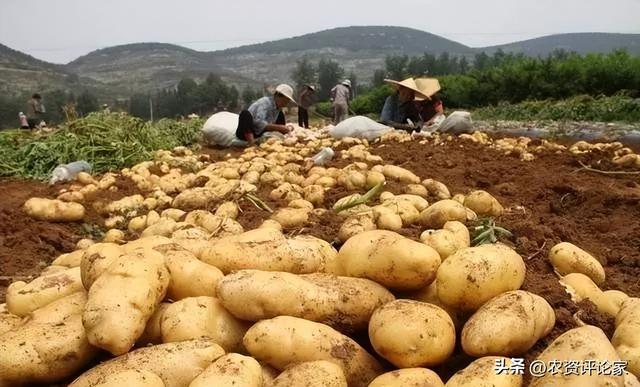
[[147, 243], [227, 210], [418, 202], [84, 244], [153, 331], [49, 347], [177, 364], [231, 370], [268, 249], [132, 378], [389, 259], [482, 373], [165, 227], [625, 338], [408, 377], [123, 298], [314, 194], [403, 175], [173, 213], [53, 210], [483, 204], [268, 223], [202, 317], [291, 218], [441, 212], [23, 298], [416, 189], [343, 303], [405, 209], [8, 320], [69, 260], [581, 287], [437, 189], [387, 219], [524, 318], [473, 276], [285, 340], [355, 225], [201, 197], [616, 296], [113, 236], [461, 233], [567, 258], [319, 373], [189, 277], [578, 344], [443, 241], [412, 334], [374, 178], [96, 259]]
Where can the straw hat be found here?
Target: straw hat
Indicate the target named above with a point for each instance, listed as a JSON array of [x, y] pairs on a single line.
[[347, 83], [287, 91], [428, 87], [409, 83]]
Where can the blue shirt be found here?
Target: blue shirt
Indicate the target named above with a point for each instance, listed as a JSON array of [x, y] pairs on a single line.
[[397, 112], [264, 112]]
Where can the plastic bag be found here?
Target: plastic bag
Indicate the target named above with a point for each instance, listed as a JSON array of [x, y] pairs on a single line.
[[220, 129], [457, 122], [359, 127], [68, 172]]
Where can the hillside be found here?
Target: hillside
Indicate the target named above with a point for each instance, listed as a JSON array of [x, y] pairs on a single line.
[[582, 43]]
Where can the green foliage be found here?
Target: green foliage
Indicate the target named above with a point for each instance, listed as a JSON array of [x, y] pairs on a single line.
[[371, 102], [324, 109], [304, 73], [330, 73], [87, 103], [107, 141]]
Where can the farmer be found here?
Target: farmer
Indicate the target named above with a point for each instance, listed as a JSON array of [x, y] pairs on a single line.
[[399, 110], [340, 96], [431, 109], [306, 99], [35, 111], [265, 117]]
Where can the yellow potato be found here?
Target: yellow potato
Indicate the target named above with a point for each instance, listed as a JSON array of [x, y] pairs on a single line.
[[483, 204], [408, 377], [443, 241], [319, 373], [231, 370], [473, 276], [153, 330], [461, 233], [401, 174], [291, 218], [53, 210], [482, 373], [284, 341], [8, 320], [96, 259], [374, 178], [227, 210], [412, 333], [132, 378], [437, 189], [69, 260], [625, 338], [441, 212], [416, 189], [508, 325], [567, 258], [581, 287], [314, 194], [616, 296], [114, 236], [387, 219], [354, 225]]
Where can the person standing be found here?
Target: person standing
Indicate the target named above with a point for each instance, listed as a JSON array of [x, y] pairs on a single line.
[[306, 99], [340, 96], [35, 111]]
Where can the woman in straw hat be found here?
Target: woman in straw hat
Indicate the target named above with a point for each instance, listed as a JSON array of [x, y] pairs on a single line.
[[265, 116], [431, 109], [340, 97], [400, 111]]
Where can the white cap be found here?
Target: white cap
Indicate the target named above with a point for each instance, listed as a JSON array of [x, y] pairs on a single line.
[[347, 83], [287, 91]]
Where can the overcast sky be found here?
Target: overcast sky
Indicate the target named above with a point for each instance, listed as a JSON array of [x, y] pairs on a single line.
[[61, 30]]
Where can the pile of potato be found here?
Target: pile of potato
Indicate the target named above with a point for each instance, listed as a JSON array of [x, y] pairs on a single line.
[[178, 293]]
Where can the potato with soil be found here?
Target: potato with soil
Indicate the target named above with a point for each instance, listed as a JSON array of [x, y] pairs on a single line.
[[202, 317], [389, 259], [625, 338], [96, 259], [23, 298], [578, 344], [340, 302], [412, 334], [460, 232], [291, 218], [482, 373], [284, 341], [437, 189], [483, 204], [231, 370], [177, 364], [581, 287], [441, 212], [8, 320], [508, 325], [443, 241], [53, 210], [567, 258], [319, 373], [49, 347], [355, 225], [400, 174], [268, 249], [132, 378], [69, 260], [123, 298], [408, 377], [473, 276]]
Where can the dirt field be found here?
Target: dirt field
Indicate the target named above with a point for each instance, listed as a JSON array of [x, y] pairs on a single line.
[[550, 199]]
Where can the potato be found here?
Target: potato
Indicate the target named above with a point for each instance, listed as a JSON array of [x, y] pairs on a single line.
[[123, 298], [354, 225], [251, 177], [388, 259], [408, 377], [152, 218], [418, 202], [578, 344], [387, 219], [268, 223], [49, 347], [231, 370], [96, 259], [443, 241], [508, 325], [482, 373], [616, 296], [461, 233], [69, 260], [146, 243], [125, 205], [353, 180], [113, 236], [437, 189], [439, 213], [153, 330], [53, 210], [405, 209], [74, 196], [374, 178], [326, 181], [84, 244], [319, 373], [291, 218], [177, 364], [23, 298], [625, 338], [173, 213], [483, 204], [286, 192], [164, 227], [137, 224], [458, 198], [343, 303], [284, 341], [268, 249], [581, 287], [8, 320], [473, 276], [85, 178], [132, 378], [301, 204], [400, 174], [314, 194], [201, 197], [567, 258], [412, 334], [227, 210]]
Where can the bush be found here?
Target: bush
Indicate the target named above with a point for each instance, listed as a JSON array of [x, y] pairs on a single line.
[[371, 102]]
